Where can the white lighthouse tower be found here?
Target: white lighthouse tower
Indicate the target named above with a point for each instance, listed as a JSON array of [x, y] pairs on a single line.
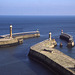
[[10, 31], [50, 36]]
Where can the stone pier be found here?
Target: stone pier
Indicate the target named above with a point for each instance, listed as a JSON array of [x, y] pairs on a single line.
[[16, 38], [10, 42], [45, 53], [68, 38]]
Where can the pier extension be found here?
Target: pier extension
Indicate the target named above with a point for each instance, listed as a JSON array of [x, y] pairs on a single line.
[[16, 38], [68, 38], [45, 53]]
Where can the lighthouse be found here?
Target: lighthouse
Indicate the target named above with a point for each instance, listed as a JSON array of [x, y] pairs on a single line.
[[61, 31], [10, 31], [50, 36]]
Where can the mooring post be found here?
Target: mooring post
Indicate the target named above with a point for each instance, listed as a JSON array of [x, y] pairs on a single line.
[[50, 36], [10, 31]]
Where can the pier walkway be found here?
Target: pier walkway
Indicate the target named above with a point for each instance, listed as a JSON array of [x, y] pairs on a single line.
[[16, 38], [19, 34]]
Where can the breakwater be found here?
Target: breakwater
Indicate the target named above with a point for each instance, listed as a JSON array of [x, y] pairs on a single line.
[[10, 42], [17, 38], [52, 58], [23, 35], [68, 38]]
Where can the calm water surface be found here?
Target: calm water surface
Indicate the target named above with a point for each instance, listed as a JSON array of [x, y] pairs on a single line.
[[15, 60]]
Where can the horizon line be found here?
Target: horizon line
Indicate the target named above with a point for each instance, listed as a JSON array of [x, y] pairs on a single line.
[[36, 15]]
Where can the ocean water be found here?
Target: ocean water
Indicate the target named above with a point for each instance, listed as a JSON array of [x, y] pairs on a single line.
[[15, 60]]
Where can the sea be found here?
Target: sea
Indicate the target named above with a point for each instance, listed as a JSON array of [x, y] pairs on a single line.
[[15, 60]]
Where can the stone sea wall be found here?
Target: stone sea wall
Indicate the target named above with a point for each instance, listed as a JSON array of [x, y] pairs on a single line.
[[52, 58], [16, 40], [68, 38], [10, 42], [27, 36]]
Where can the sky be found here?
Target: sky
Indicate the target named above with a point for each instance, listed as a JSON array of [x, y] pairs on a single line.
[[37, 7]]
